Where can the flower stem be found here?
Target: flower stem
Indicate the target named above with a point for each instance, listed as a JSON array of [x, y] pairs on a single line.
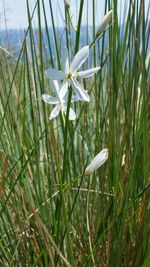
[[64, 175], [66, 135]]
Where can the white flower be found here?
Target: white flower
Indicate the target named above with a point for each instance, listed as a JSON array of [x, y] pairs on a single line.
[[71, 73], [105, 21], [97, 162], [60, 101]]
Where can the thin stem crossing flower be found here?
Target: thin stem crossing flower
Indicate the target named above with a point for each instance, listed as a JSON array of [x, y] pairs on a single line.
[[60, 101], [71, 74], [67, 3]]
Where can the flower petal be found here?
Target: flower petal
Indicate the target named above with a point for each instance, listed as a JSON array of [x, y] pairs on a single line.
[[97, 162], [63, 90], [65, 60], [57, 87], [88, 73], [72, 114], [74, 98], [54, 74], [50, 99], [79, 91], [79, 58], [55, 112]]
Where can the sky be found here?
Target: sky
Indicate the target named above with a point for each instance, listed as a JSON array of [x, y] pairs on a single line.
[[16, 16]]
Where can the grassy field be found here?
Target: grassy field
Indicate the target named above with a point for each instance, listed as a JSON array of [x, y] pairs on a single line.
[[51, 213]]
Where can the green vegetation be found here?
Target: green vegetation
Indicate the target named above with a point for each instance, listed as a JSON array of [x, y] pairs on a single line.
[[51, 214]]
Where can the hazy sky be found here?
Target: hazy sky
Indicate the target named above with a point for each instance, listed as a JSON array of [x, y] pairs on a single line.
[[16, 16]]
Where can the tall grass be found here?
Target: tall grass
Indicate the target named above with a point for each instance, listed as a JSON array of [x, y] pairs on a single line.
[[50, 213]]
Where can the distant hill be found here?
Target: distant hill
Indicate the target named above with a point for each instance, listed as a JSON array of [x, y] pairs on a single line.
[[13, 39]]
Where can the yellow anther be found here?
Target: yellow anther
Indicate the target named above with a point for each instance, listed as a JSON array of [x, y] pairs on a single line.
[[69, 75]]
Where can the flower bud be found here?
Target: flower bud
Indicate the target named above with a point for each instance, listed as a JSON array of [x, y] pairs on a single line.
[[105, 22], [97, 162]]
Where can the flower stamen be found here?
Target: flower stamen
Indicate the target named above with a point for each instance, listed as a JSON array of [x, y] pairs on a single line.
[[69, 75]]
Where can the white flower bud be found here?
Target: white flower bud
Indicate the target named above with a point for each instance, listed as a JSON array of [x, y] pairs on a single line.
[[97, 162], [105, 22]]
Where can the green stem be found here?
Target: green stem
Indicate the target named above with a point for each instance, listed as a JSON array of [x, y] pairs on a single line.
[[79, 26], [66, 136], [62, 204]]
